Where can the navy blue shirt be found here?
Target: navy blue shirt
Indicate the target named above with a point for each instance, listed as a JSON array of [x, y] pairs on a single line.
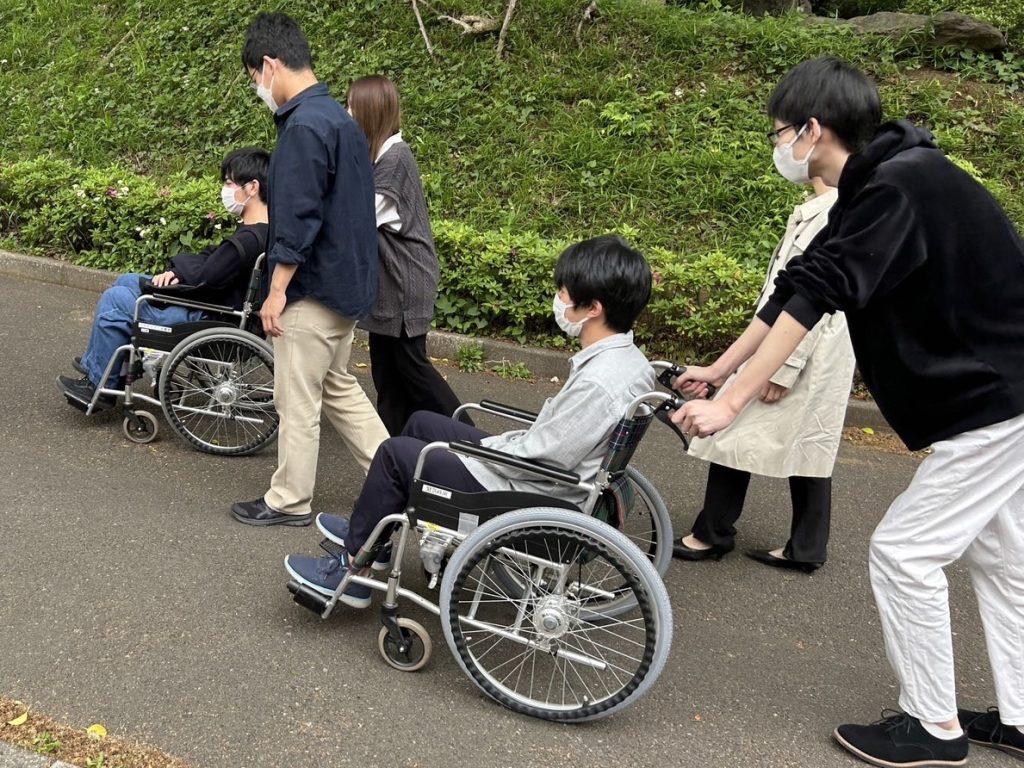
[[320, 188]]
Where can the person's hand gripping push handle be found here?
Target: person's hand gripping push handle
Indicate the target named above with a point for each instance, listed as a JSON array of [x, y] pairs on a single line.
[[699, 416]]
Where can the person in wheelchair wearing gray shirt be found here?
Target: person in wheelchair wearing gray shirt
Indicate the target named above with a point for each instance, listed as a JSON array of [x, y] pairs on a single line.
[[603, 285]]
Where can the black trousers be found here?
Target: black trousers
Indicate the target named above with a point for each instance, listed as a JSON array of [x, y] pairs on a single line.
[[723, 504], [389, 480], [406, 382]]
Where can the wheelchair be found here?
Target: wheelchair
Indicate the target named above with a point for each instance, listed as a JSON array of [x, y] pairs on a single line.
[[213, 378], [548, 607]]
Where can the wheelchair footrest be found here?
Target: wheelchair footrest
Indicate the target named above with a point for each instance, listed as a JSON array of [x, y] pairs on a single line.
[[79, 404], [332, 548], [308, 598]]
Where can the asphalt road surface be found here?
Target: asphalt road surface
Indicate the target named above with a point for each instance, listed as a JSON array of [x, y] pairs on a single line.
[[128, 596]]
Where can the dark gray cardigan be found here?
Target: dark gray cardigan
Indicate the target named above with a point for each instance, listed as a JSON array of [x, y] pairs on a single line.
[[408, 260]]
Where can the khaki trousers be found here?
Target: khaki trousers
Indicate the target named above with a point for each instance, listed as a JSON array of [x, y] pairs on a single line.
[[310, 375]]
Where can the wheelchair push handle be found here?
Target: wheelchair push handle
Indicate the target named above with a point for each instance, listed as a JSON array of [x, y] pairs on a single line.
[[667, 373]]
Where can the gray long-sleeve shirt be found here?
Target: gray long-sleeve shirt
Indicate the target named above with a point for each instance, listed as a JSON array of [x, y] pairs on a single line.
[[573, 428]]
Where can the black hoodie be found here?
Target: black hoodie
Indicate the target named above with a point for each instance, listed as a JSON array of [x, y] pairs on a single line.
[[930, 273]]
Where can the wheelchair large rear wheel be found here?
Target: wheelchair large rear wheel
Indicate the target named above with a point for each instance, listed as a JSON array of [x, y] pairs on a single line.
[[217, 391], [551, 650], [648, 524]]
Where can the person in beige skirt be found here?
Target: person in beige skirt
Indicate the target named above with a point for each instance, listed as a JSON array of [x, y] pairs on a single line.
[[792, 430]]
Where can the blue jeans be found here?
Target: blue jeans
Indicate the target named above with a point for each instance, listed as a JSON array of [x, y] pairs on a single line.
[[112, 325]]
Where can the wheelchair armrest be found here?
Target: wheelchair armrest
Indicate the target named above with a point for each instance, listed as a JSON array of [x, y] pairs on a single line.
[[179, 290], [497, 409], [511, 411], [180, 295], [492, 456]]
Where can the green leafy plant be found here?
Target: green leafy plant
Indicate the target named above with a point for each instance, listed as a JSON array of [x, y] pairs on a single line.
[[506, 369], [45, 743], [96, 762], [470, 358]]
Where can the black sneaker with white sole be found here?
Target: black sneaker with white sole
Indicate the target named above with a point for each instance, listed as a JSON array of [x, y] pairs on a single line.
[[900, 741], [986, 729]]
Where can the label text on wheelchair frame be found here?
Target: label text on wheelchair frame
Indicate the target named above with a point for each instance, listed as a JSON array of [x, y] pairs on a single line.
[[434, 491]]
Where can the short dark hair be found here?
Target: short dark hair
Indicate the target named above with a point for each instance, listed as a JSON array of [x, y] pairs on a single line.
[[278, 36], [841, 97], [609, 270], [245, 164]]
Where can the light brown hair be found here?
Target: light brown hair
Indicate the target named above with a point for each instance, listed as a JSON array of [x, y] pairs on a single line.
[[373, 102]]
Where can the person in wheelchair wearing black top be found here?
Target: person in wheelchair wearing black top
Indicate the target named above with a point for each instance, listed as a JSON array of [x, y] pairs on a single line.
[[603, 285], [220, 275]]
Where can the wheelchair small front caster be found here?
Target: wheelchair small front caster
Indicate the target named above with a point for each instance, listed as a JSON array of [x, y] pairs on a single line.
[[414, 650], [140, 426]]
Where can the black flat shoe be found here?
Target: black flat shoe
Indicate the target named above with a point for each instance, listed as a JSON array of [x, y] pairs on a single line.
[[76, 363], [258, 512], [682, 552], [765, 556]]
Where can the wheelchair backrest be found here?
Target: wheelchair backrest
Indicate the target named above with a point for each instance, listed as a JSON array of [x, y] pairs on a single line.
[[616, 500]]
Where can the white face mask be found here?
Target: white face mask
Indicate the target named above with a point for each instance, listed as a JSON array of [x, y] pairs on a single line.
[[227, 197], [570, 328], [265, 93], [791, 169]]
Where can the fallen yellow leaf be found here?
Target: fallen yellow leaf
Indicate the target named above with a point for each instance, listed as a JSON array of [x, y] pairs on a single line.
[[96, 731], [360, 365], [19, 720], [868, 431]]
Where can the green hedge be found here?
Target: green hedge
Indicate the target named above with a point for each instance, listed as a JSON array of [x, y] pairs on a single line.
[[492, 282]]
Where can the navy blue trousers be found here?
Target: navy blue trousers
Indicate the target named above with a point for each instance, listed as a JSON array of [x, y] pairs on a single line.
[[389, 481]]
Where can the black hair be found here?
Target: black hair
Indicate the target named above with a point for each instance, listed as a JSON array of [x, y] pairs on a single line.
[[245, 164], [841, 98], [609, 270], [278, 36]]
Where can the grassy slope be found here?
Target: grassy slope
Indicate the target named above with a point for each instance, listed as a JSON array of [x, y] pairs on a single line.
[[655, 125]]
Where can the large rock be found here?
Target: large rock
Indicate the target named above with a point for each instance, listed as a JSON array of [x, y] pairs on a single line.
[[966, 32], [942, 29]]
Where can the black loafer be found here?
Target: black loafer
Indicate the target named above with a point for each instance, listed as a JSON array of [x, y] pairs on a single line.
[[682, 552], [258, 512], [765, 556]]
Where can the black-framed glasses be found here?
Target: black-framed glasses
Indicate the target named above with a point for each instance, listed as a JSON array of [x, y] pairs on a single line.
[[773, 136]]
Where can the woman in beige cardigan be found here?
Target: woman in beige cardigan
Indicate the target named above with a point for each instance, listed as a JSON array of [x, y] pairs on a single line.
[[792, 431]]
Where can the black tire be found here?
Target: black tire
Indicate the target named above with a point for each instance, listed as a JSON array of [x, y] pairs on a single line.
[[217, 390]]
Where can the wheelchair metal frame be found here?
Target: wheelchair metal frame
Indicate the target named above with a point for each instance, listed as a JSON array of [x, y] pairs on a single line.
[[132, 350], [407, 520]]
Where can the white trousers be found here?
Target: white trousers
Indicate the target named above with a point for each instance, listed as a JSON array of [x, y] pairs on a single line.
[[966, 500], [311, 376]]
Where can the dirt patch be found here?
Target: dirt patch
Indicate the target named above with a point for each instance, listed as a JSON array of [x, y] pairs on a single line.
[[881, 440], [50, 738]]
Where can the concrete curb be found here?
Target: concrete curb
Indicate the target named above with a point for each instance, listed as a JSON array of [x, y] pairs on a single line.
[[18, 757], [544, 364]]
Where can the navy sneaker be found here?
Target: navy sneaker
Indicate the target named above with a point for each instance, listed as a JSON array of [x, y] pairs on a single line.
[[335, 529], [900, 740], [324, 574], [986, 729]]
